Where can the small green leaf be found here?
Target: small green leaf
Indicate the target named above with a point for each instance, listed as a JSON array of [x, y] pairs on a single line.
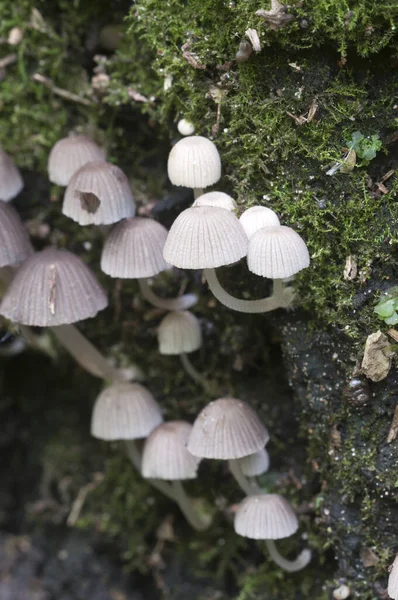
[[393, 320], [386, 308]]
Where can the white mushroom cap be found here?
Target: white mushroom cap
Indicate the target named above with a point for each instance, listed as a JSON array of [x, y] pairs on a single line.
[[10, 178], [165, 455], [194, 162], [185, 127], [99, 193], [205, 237], [254, 464], [125, 411], [134, 249], [265, 517], [393, 580], [218, 199], [227, 428], [277, 253], [52, 287], [179, 333], [256, 218], [14, 240], [68, 155]]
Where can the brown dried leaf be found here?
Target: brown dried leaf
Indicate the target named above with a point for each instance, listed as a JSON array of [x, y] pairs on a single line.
[[350, 269], [376, 361], [392, 434]]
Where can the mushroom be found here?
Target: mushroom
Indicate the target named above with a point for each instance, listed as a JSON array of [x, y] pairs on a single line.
[[180, 333], [218, 199], [133, 249], [185, 127], [392, 589], [270, 517], [11, 182], [165, 457], [228, 429], [194, 162], [54, 288], [15, 246], [99, 193], [274, 252], [68, 155], [255, 464], [256, 218]]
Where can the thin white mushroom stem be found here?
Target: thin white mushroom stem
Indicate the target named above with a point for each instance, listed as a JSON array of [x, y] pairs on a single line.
[[187, 508], [197, 192], [288, 565], [181, 303], [248, 486], [278, 299]]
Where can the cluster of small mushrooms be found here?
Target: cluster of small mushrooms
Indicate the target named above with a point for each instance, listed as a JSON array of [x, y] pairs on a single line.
[[55, 289]]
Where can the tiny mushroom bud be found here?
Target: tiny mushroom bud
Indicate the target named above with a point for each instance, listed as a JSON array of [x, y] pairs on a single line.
[[194, 162], [14, 241], [244, 52], [393, 580], [185, 127], [270, 517], [99, 193], [217, 199], [69, 155], [256, 218], [125, 411], [134, 250], [10, 178]]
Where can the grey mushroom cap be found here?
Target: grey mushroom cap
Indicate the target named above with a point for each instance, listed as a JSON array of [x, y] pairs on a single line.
[[265, 517], [69, 155], [179, 333], [227, 429], [393, 580], [194, 162], [11, 182], [52, 287], [15, 246]]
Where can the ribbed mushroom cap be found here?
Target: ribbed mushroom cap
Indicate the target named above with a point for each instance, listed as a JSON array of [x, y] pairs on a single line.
[[277, 252], [99, 193], [134, 249], [218, 199], [10, 178], [125, 411], [179, 333], [227, 428], [194, 162], [14, 240], [52, 287], [69, 155], [393, 580], [165, 455], [254, 464], [265, 517], [205, 237], [256, 218]]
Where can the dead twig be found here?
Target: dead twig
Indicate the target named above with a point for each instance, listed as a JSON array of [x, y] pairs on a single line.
[[59, 91]]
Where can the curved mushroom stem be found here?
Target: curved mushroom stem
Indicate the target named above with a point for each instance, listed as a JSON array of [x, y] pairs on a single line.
[[281, 297], [288, 565], [197, 192], [173, 491], [187, 508], [181, 303], [249, 486]]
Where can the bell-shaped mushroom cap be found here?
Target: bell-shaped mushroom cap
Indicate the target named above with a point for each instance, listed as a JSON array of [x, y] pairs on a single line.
[[227, 428], [125, 411], [205, 237], [10, 178], [256, 218], [52, 287], [254, 464], [179, 333], [99, 193], [194, 162], [277, 253], [165, 455], [265, 517], [134, 249], [69, 155], [14, 240], [218, 199], [393, 580]]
